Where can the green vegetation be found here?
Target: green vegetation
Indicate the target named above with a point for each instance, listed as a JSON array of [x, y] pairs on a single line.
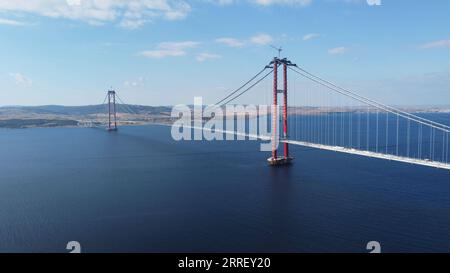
[[27, 123]]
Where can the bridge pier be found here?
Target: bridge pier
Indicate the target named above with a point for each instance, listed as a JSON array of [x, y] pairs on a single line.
[[276, 160]]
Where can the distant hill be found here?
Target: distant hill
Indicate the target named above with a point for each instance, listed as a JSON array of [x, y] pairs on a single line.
[[27, 123], [58, 115], [83, 110]]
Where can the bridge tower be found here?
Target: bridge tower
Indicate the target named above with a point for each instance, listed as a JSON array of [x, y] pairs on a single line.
[[112, 115], [276, 160]]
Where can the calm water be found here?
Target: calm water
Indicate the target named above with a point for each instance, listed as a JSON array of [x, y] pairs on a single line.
[[137, 190]]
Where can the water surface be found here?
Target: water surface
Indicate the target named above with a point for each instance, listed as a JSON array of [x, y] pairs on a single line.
[[137, 190]]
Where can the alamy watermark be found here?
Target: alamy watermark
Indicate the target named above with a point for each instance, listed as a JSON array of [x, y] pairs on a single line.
[[231, 122], [74, 247]]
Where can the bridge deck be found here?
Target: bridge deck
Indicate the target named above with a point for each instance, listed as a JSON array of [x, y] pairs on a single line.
[[371, 154], [340, 149]]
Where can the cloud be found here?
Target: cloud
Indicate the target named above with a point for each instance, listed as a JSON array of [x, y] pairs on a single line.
[[298, 3], [224, 2], [11, 22], [157, 54], [169, 49], [436, 44], [231, 42], [132, 24], [311, 36], [301, 3], [207, 56], [261, 39], [178, 49], [73, 2], [134, 83], [21, 80], [374, 2], [127, 13], [338, 50], [265, 2]]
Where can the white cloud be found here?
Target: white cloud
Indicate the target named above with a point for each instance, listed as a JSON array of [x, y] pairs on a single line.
[[374, 2], [157, 54], [224, 2], [261, 39], [232, 42], [265, 2], [127, 13], [207, 56], [134, 83], [11, 22], [21, 80], [169, 49], [311, 36], [282, 2], [73, 2], [132, 24], [298, 3], [436, 44], [338, 50]]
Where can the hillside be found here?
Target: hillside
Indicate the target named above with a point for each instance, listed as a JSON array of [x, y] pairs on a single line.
[[57, 115], [81, 110]]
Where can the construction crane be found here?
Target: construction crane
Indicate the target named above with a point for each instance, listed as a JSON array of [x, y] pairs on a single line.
[[279, 49]]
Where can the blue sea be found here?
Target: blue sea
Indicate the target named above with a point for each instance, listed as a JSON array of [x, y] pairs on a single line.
[[137, 190]]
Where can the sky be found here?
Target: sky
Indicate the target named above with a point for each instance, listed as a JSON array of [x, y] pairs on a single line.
[[166, 52]]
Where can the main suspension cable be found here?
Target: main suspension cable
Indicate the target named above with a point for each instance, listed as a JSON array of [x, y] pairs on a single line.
[[246, 90], [242, 86], [377, 104], [374, 104]]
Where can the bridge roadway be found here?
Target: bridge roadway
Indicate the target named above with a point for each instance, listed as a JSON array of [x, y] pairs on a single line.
[[428, 163]]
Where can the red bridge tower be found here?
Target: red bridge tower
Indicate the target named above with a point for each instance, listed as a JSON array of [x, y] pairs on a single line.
[[112, 115], [276, 160]]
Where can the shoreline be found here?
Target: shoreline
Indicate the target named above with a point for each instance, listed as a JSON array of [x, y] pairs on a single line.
[[47, 122]]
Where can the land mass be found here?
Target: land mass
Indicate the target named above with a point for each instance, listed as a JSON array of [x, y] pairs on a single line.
[[89, 115], [97, 115]]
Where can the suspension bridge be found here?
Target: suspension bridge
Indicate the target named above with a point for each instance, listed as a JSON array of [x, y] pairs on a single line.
[[326, 116]]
